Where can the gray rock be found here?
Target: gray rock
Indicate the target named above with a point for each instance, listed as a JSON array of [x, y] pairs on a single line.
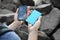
[[9, 14], [8, 4], [51, 20], [5, 12]]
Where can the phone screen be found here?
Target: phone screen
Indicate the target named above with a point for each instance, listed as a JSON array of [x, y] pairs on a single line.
[[33, 17], [22, 13]]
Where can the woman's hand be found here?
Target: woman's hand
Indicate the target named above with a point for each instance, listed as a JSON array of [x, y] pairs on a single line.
[[33, 30], [36, 26], [16, 23], [16, 17]]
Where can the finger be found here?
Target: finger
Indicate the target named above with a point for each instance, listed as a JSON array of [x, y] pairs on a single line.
[[29, 25], [37, 24], [21, 22], [28, 11], [16, 15], [39, 19], [17, 10], [28, 7]]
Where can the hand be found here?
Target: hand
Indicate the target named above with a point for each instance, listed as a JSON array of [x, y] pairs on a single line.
[[16, 14], [16, 23], [36, 26], [16, 17]]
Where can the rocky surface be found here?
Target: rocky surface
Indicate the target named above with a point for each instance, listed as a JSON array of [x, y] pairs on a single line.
[[8, 4], [49, 21]]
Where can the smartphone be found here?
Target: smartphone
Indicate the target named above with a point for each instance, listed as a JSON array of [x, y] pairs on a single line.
[[33, 17], [22, 12]]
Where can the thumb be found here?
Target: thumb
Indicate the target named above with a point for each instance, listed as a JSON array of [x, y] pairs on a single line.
[[16, 15], [38, 23]]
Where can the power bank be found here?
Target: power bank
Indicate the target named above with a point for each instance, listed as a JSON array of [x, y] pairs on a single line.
[[22, 12], [32, 18]]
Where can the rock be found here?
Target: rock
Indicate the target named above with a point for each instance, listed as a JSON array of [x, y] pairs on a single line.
[[9, 14], [9, 4]]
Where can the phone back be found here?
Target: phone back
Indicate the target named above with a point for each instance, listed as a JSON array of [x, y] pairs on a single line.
[[32, 18], [22, 12]]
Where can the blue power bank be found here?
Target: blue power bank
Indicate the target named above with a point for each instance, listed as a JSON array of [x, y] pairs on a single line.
[[32, 18], [22, 12]]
